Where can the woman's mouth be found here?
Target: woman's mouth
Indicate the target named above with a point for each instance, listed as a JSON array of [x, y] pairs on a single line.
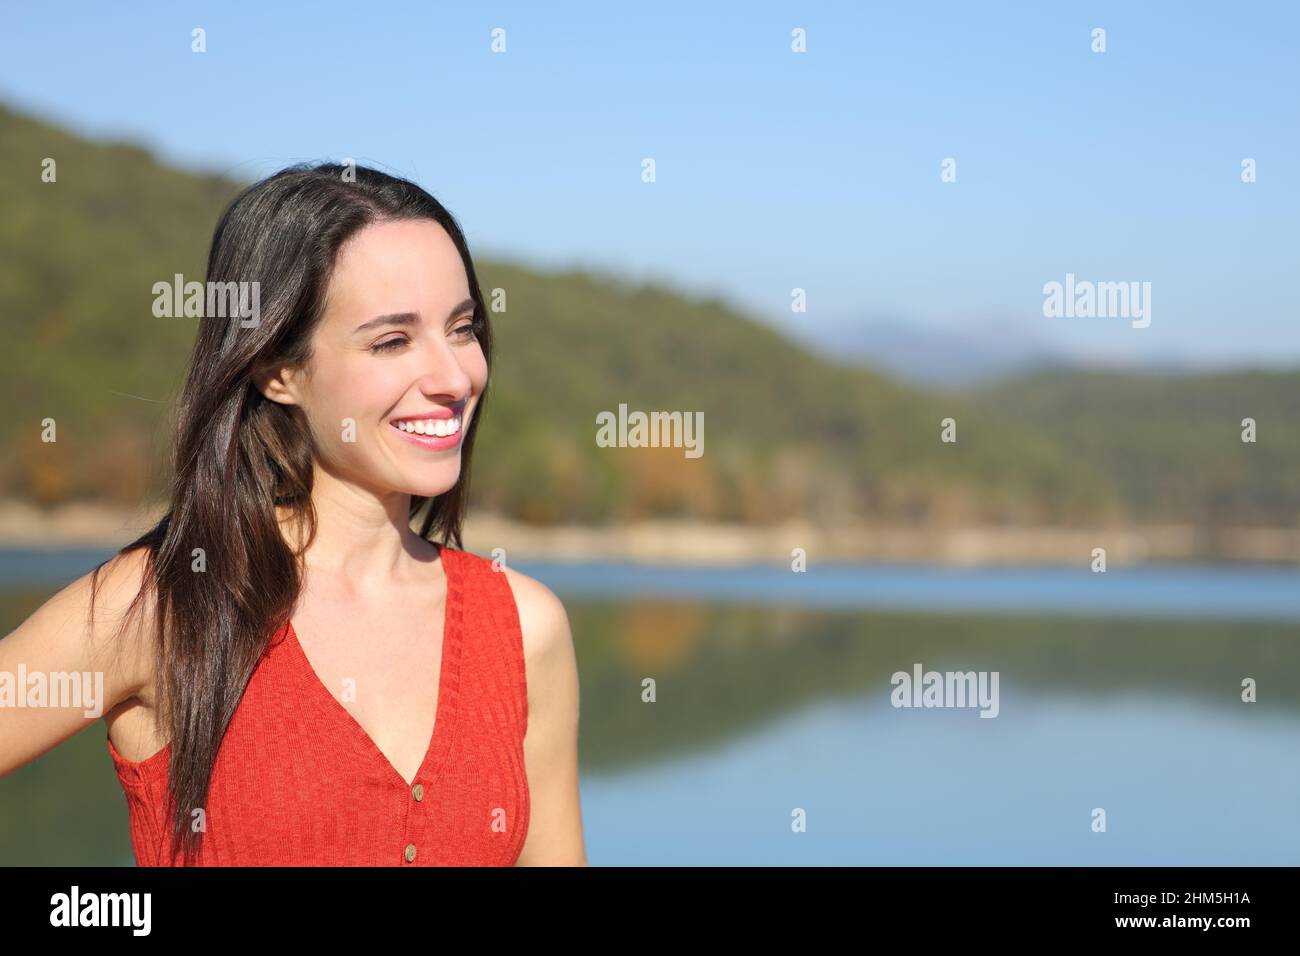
[[429, 432]]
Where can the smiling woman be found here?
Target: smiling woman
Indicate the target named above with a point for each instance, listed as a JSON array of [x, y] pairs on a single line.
[[304, 611]]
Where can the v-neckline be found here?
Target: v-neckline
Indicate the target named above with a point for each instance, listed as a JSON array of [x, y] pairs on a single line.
[[448, 679]]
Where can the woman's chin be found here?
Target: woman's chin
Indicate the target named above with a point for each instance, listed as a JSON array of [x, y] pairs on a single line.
[[426, 487]]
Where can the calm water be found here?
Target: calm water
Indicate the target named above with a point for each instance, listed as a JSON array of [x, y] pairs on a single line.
[[1119, 691]]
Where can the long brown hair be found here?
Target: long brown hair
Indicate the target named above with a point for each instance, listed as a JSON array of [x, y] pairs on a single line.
[[238, 455]]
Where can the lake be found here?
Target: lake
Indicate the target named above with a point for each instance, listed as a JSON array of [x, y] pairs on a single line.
[[774, 737]]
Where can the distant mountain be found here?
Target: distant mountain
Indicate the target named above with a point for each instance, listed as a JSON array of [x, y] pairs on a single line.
[[978, 353], [942, 358]]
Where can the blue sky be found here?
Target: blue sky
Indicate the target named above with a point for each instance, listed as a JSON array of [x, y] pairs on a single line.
[[775, 170]]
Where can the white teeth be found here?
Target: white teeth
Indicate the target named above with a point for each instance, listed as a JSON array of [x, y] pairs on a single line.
[[436, 427]]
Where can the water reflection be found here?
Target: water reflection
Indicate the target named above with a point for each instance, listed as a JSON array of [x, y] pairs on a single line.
[[764, 710]]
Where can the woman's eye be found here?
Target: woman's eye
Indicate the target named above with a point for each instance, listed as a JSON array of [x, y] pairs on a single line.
[[468, 329], [388, 346]]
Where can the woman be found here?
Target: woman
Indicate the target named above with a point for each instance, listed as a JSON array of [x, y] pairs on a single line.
[[292, 674]]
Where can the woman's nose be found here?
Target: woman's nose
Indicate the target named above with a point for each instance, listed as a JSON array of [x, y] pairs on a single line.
[[444, 374]]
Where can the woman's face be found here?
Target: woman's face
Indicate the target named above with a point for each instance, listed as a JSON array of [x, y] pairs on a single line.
[[396, 346]]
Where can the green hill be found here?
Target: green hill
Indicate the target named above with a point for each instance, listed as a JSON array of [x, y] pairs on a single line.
[[786, 433], [1172, 444]]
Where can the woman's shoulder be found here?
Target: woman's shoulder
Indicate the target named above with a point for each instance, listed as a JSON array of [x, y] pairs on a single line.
[[534, 600], [538, 605], [113, 589], [543, 621], [550, 659]]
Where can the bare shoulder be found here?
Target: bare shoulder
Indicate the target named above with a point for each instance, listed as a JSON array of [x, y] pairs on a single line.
[[542, 617], [116, 588], [61, 637], [551, 742], [66, 620], [550, 661]]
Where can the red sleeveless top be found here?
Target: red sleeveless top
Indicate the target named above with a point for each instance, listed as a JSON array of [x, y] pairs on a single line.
[[298, 782]]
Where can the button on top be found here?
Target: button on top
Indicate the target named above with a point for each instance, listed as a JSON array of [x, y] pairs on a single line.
[[410, 853], [418, 791]]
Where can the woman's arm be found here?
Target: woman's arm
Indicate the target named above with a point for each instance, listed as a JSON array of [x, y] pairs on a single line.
[[56, 646], [551, 744]]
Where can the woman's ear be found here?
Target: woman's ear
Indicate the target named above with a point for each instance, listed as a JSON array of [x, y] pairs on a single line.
[[278, 383]]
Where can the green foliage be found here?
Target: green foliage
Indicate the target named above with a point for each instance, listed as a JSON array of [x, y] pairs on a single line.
[[1173, 444], [786, 433]]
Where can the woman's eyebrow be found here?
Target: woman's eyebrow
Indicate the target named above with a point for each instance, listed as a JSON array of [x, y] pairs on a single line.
[[396, 318], [412, 318]]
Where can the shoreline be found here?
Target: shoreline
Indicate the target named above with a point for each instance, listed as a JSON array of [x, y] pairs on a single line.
[[698, 543]]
